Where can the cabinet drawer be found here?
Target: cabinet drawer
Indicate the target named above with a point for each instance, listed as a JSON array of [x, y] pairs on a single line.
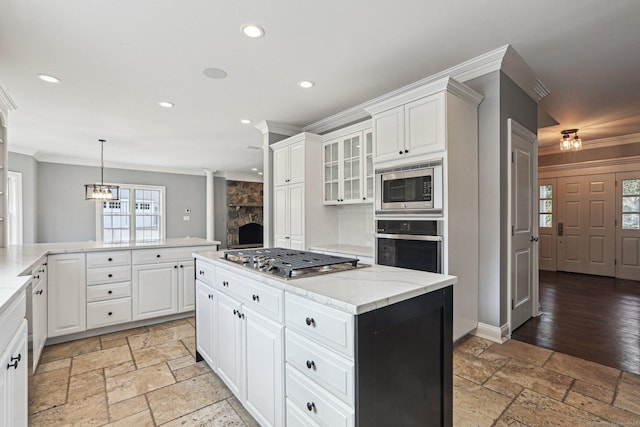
[[297, 418], [108, 259], [326, 325], [110, 312], [108, 275], [146, 256], [108, 291], [256, 295], [205, 272], [325, 367], [316, 403]]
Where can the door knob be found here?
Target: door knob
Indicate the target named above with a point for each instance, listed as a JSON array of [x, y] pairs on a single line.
[[533, 239]]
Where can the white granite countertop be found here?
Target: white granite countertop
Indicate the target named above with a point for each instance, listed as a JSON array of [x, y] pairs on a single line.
[[354, 291], [19, 260], [345, 249]]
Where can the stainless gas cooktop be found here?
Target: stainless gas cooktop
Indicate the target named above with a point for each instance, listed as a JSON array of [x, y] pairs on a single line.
[[291, 263]]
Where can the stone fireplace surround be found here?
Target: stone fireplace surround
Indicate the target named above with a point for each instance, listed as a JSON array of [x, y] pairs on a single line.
[[244, 206]]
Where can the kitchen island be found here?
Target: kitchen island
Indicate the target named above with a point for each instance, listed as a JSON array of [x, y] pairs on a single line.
[[367, 347]]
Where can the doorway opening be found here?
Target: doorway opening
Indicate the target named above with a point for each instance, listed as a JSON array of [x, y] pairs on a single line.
[[14, 208]]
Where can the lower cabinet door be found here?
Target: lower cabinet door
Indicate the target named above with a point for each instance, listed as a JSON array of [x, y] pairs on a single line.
[[155, 290], [13, 380], [186, 286], [264, 351], [228, 332], [205, 306]]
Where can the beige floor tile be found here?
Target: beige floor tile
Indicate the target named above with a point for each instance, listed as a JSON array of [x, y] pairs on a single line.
[[590, 372], [120, 369], [70, 349], [100, 359], [85, 385], [91, 411], [53, 366], [219, 414], [128, 407], [114, 343], [182, 398], [507, 421], [598, 392], [124, 334], [168, 325], [628, 396], [181, 362], [160, 336], [134, 383], [48, 389], [514, 376], [522, 352], [190, 343], [141, 419], [474, 405], [602, 410], [159, 353], [194, 370], [240, 410], [476, 369], [471, 345], [534, 409], [192, 321]]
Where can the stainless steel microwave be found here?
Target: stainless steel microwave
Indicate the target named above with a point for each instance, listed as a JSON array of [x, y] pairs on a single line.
[[411, 189]]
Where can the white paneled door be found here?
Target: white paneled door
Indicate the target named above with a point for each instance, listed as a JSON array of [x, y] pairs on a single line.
[[628, 225], [586, 224], [547, 218]]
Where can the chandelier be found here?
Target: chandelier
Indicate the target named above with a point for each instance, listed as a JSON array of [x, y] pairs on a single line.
[[101, 192], [567, 143]]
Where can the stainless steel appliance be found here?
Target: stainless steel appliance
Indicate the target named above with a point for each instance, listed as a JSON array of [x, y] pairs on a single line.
[[410, 189], [413, 244], [291, 263]]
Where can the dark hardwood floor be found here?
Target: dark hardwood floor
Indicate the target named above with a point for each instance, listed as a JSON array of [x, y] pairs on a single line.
[[590, 317]]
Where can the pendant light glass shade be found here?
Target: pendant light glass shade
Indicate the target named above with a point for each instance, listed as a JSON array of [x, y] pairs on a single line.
[[101, 192], [567, 143]]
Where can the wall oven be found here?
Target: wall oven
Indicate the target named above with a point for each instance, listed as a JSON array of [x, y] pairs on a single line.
[[410, 189], [413, 244]]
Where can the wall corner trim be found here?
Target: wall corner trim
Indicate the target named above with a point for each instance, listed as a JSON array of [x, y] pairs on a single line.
[[492, 333], [6, 102]]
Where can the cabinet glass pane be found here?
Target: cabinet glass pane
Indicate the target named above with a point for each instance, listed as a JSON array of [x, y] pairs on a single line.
[[545, 192], [327, 192], [347, 170], [327, 153], [545, 205], [355, 168], [334, 191], [355, 188], [334, 172], [369, 137], [347, 189], [355, 142], [631, 204], [631, 221], [546, 220], [369, 187], [327, 173], [630, 187], [369, 165]]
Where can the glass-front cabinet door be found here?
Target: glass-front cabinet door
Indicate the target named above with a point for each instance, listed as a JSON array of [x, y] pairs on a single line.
[[367, 191], [351, 168], [330, 174]]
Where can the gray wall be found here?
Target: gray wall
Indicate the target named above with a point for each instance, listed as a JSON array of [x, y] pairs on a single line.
[[62, 214], [28, 166]]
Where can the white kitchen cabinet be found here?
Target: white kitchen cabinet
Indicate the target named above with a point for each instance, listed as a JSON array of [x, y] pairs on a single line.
[[228, 332], [289, 224], [289, 164], [66, 305], [205, 317], [410, 130], [348, 168], [155, 290], [186, 286], [13, 379], [39, 294]]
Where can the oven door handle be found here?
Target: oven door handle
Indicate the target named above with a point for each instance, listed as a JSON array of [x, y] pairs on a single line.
[[409, 237]]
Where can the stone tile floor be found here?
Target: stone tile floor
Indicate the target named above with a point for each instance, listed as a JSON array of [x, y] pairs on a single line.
[[148, 377]]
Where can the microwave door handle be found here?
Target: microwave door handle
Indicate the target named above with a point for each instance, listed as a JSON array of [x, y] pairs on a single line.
[[409, 237]]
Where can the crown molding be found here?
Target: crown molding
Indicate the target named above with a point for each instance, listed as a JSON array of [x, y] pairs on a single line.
[[300, 137], [521, 73], [6, 102], [240, 176], [595, 143], [339, 133], [591, 166], [266, 126]]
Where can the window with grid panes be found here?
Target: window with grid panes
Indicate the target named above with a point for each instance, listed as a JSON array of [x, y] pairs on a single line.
[[137, 216], [546, 206], [631, 204]]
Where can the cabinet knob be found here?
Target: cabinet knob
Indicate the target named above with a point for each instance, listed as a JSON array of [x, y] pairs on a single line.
[[311, 406], [175, 266], [158, 256], [400, 152], [406, 151], [16, 362], [110, 259], [109, 292], [182, 266], [364, 198], [210, 296], [311, 364], [310, 321], [235, 311], [256, 298], [201, 272], [110, 313], [110, 275], [40, 292]]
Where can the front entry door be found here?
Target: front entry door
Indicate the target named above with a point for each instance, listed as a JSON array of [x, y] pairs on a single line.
[[585, 226], [628, 226], [523, 256]]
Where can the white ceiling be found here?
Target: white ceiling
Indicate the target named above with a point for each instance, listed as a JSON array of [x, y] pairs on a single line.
[[118, 58]]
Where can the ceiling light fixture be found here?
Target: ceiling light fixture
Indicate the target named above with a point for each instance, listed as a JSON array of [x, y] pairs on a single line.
[[166, 104], [260, 173], [101, 192], [253, 31], [567, 143], [49, 79], [245, 121], [254, 169], [306, 84], [215, 73]]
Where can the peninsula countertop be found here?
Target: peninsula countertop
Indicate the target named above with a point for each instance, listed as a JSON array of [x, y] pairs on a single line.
[[17, 261], [355, 291]]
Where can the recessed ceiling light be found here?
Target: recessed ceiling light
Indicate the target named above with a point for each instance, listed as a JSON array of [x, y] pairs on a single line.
[[306, 84], [254, 147], [49, 79], [166, 104], [254, 169], [259, 173], [253, 31], [215, 73], [245, 121]]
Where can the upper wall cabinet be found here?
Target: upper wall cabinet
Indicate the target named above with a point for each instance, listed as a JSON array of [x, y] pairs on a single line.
[[415, 124], [288, 165], [348, 166]]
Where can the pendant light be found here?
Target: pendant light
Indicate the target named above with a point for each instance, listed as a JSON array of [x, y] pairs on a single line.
[[567, 143], [101, 192]]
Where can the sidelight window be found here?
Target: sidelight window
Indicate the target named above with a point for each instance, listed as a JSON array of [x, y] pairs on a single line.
[[631, 204], [137, 216], [546, 206]]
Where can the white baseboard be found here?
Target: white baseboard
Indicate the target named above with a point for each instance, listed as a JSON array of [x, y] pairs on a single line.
[[492, 333]]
